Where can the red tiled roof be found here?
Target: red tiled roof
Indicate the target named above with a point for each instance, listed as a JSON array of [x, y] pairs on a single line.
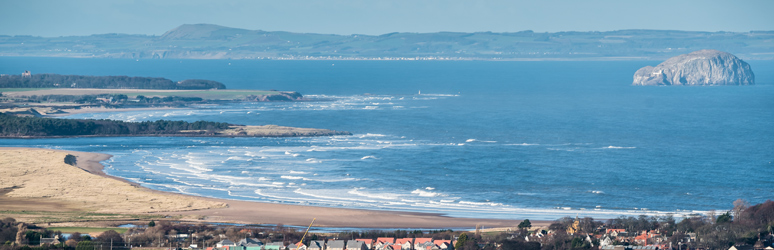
[[439, 242], [367, 241], [402, 240], [385, 240], [422, 240]]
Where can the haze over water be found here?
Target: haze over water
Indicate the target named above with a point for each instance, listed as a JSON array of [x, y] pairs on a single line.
[[536, 140]]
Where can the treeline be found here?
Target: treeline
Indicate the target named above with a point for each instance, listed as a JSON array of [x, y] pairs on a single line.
[[742, 225], [103, 82], [14, 126], [107, 98]]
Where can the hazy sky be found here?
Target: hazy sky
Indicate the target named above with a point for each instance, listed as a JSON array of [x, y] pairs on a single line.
[[85, 17]]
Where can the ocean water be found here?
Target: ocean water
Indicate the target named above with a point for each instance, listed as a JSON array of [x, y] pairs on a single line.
[[537, 140]]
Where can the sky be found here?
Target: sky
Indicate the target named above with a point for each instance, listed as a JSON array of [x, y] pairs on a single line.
[[51, 18]]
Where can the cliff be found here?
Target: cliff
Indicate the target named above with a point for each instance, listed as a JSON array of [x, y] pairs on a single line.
[[703, 67]]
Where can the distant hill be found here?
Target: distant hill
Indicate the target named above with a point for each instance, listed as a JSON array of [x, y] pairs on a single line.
[[207, 41]]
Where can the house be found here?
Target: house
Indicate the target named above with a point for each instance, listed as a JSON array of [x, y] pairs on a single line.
[[356, 245], [274, 246], [336, 245], [419, 243], [316, 245], [404, 243], [225, 243], [382, 242], [605, 241], [297, 247], [26, 73], [444, 244], [385, 240], [427, 245], [249, 242], [50, 241], [743, 247], [616, 232], [368, 242], [393, 247]]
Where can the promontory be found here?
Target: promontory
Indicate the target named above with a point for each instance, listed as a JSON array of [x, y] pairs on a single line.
[[703, 67]]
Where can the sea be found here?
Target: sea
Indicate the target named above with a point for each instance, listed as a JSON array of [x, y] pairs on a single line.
[[483, 139]]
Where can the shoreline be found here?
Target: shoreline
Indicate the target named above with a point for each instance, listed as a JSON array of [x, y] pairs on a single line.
[[249, 212]]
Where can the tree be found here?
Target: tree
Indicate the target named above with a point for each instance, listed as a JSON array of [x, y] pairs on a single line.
[[75, 236], [111, 236], [520, 245], [151, 224], [525, 224], [85, 245], [461, 241], [724, 218], [739, 206]]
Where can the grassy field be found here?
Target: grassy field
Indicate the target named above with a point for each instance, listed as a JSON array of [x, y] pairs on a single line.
[[21, 89], [87, 229], [70, 216]]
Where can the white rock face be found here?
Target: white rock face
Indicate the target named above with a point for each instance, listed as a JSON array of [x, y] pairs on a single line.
[[703, 67]]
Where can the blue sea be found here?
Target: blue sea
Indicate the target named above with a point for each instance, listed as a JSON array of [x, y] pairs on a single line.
[[537, 140]]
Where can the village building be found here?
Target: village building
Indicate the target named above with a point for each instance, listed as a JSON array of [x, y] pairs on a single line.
[[404, 243], [49, 241], [316, 245], [336, 245], [297, 247], [274, 246], [356, 245], [368, 242], [225, 243], [383, 242], [423, 243], [249, 244]]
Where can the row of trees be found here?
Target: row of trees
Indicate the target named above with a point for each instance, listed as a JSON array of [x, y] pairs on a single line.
[[114, 99], [103, 82], [13, 126]]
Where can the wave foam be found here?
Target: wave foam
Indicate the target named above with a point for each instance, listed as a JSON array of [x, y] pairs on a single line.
[[425, 193]]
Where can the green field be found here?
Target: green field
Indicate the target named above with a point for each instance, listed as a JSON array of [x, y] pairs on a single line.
[[206, 94], [21, 89], [87, 229]]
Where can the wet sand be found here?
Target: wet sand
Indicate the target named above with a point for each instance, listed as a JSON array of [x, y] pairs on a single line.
[[38, 178]]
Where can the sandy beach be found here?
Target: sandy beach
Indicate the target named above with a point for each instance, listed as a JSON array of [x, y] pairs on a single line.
[[34, 179]]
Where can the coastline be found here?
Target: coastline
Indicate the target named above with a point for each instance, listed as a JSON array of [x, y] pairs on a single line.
[[213, 210]]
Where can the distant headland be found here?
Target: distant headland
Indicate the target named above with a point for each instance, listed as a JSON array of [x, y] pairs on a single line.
[[27, 98], [209, 41], [703, 67]]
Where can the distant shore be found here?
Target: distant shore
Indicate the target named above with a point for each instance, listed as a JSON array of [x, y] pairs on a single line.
[[27, 185]]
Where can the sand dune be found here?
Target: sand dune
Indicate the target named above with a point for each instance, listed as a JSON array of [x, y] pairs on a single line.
[[40, 173]]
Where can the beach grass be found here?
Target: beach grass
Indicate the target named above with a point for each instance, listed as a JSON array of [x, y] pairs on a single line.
[[70, 216]]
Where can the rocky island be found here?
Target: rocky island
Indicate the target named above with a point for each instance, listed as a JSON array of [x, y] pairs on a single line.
[[703, 67]]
